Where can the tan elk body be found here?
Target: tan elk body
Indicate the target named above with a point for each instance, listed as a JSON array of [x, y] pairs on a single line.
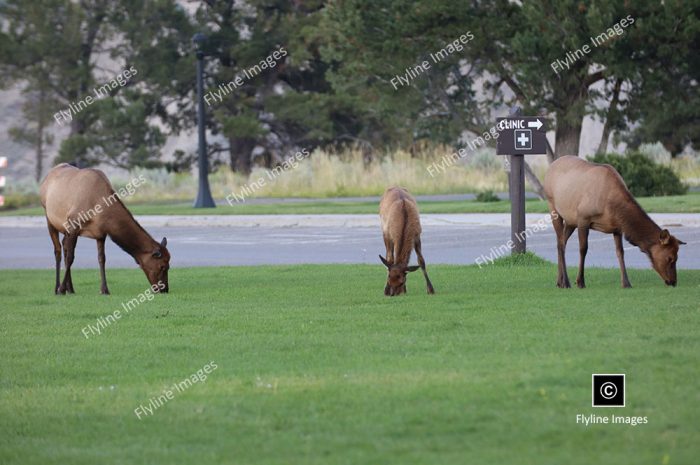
[[81, 202], [587, 196], [401, 229]]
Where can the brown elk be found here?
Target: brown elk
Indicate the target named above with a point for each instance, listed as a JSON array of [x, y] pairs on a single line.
[[81, 202], [401, 229], [587, 196]]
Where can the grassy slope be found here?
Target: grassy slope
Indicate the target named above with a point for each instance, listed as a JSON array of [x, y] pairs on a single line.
[[673, 204], [316, 366]]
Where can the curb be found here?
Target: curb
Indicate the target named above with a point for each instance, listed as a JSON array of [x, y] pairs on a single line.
[[669, 220]]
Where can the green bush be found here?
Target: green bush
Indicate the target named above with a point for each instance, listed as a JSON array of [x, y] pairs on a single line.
[[643, 176], [18, 200], [521, 259], [487, 196]]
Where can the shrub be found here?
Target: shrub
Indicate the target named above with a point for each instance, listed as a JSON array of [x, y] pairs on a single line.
[[487, 196], [19, 200], [656, 152], [486, 160], [644, 177], [521, 259]]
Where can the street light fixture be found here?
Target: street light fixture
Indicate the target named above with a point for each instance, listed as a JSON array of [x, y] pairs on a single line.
[[204, 199]]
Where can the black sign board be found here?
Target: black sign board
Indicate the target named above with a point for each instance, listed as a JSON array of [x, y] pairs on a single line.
[[521, 135]]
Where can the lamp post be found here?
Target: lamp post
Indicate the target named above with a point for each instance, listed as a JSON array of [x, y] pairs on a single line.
[[204, 199]]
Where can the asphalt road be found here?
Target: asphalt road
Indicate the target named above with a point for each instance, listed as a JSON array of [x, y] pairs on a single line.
[[290, 239]]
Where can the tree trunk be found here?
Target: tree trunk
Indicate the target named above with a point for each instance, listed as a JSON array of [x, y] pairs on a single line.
[[39, 150], [240, 152], [572, 98], [40, 125], [568, 134], [534, 182], [611, 118]]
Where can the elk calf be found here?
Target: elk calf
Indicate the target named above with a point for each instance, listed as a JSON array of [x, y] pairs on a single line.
[[401, 229]]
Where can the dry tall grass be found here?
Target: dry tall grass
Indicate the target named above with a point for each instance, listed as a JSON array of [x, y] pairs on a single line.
[[344, 174], [325, 174]]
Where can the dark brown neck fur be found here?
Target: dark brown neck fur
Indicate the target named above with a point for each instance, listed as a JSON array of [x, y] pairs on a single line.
[[637, 227], [127, 233]]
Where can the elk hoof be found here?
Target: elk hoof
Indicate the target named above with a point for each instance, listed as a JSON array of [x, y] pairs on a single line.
[[104, 291], [431, 290], [581, 284]]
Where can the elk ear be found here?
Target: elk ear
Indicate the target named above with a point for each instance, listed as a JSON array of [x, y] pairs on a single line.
[[412, 268], [387, 264], [164, 242], [680, 242], [665, 237]]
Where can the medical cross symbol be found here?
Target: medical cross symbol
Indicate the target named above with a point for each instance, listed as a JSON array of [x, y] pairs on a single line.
[[523, 139]]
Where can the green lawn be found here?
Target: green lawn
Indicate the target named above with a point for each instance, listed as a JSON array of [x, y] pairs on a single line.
[[316, 366], [672, 204]]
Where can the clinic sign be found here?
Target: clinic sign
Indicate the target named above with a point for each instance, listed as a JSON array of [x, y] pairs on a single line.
[[521, 135]]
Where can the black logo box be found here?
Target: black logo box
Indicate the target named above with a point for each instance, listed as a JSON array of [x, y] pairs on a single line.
[[608, 390]]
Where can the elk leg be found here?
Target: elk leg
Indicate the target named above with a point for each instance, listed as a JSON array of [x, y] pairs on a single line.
[[69, 242], [389, 259], [69, 288], [568, 231], [621, 258], [583, 249], [421, 262], [69, 285], [53, 232], [101, 260], [563, 232]]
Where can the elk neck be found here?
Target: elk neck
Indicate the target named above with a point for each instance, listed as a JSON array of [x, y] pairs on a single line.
[[636, 226], [127, 233]]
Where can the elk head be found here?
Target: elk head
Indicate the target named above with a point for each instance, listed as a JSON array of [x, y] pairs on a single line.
[[664, 255], [155, 264], [396, 279]]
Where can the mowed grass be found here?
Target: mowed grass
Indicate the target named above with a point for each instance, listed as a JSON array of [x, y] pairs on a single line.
[[316, 366], [689, 203]]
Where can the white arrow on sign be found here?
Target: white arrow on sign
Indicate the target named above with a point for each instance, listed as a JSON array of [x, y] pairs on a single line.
[[535, 124]]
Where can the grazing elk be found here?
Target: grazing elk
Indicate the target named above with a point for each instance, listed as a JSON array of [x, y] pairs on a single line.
[[81, 202], [587, 196], [401, 229]]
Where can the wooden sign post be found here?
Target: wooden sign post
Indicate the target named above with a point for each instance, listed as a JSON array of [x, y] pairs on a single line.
[[519, 136]]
